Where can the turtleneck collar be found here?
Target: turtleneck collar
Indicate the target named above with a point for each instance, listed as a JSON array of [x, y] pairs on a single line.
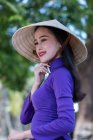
[[55, 64]]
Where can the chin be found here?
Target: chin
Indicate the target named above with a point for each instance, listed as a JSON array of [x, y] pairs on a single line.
[[44, 60], [48, 61]]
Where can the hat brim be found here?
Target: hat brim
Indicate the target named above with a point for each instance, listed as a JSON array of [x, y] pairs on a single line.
[[23, 41]]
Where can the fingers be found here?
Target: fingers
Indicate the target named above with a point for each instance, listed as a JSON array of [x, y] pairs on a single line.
[[43, 70], [44, 64]]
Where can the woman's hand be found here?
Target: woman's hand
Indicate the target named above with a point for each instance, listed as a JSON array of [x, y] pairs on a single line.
[[40, 72], [16, 135]]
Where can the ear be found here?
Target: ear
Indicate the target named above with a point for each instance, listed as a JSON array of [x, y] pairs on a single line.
[[60, 45], [60, 48]]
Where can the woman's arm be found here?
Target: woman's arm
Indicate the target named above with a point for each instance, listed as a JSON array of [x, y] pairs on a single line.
[[28, 134], [28, 109], [63, 87], [16, 135]]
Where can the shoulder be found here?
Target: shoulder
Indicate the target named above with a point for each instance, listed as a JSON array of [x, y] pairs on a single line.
[[62, 82], [62, 73]]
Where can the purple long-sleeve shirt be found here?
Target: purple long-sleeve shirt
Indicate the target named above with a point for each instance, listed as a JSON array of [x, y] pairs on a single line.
[[51, 111]]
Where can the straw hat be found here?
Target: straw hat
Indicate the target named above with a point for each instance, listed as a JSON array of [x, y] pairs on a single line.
[[23, 41]]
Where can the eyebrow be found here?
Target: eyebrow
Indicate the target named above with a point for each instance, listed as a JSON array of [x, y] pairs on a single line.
[[41, 37]]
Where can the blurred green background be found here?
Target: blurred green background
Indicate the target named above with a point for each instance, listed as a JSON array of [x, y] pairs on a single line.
[[16, 72]]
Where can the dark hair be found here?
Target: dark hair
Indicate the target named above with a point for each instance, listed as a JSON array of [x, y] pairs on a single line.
[[68, 58]]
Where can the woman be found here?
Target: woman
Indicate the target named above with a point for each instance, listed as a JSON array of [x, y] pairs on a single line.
[[49, 106]]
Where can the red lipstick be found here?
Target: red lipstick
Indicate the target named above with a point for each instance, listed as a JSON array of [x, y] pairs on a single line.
[[41, 53]]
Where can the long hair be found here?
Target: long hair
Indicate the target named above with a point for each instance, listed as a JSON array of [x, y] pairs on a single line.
[[68, 59]]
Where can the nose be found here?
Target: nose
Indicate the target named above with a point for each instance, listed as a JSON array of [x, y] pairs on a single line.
[[39, 47]]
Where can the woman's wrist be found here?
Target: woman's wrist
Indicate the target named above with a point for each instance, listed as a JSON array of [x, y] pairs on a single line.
[[27, 134], [16, 135], [36, 84], [34, 87], [24, 135]]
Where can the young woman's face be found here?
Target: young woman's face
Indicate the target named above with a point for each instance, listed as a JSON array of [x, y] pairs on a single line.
[[47, 46]]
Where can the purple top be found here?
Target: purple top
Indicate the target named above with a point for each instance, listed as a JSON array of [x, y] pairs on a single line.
[[51, 112]]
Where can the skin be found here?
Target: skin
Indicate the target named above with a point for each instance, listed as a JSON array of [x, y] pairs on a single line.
[[44, 41], [16, 135]]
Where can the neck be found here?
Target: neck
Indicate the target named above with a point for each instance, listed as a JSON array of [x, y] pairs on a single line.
[[53, 59]]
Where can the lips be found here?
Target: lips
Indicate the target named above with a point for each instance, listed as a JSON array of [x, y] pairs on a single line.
[[41, 53]]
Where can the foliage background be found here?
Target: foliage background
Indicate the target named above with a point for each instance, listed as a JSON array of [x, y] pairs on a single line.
[[16, 72]]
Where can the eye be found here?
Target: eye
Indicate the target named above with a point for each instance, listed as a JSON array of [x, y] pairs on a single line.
[[36, 43], [44, 39]]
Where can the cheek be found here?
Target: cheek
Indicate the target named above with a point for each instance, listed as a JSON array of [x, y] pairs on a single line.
[[51, 48], [50, 45], [47, 45]]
